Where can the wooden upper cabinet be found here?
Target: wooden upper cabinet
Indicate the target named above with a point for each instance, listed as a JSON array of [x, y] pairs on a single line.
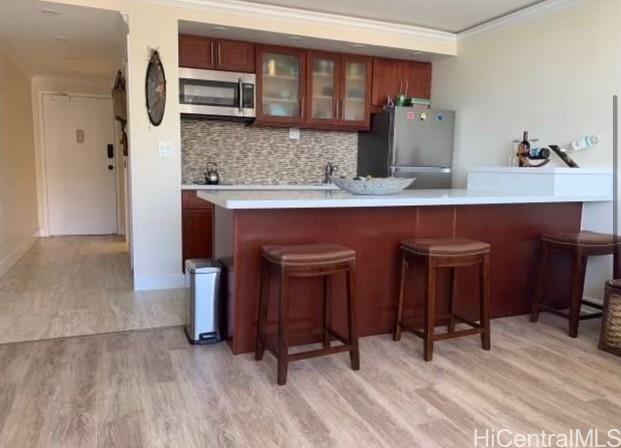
[[281, 84], [196, 52], [322, 81], [234, 56], [338, 90], [416, 78], [385, 81], [207, 53], [392, 77], [355, 91]]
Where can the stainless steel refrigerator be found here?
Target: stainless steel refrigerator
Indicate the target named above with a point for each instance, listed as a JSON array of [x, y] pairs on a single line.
[[409, 142]]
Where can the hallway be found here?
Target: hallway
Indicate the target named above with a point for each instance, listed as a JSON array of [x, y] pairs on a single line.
[[70, 286]]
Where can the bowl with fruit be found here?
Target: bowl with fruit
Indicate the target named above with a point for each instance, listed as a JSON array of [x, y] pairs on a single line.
[[373, 185]]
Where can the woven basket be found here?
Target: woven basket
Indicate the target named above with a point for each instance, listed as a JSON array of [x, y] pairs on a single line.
[[610, 339]]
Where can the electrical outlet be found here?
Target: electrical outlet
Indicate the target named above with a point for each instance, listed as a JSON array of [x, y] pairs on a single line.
[[165, 149], [294, 134]]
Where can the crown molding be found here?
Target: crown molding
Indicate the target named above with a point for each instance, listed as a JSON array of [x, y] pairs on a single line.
[[302, 15], [523, 15]]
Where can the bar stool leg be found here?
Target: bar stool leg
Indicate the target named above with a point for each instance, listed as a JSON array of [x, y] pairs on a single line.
[[326, 312], [451, 325], [543, 266], [430, 310], [404, 268], [283, 324], [484, 303], [577, 285], [354, 354], [264, 297]]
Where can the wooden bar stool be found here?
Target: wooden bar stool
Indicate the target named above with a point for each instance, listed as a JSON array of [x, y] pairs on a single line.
[[445, 253], [311, 260], [580, 246]]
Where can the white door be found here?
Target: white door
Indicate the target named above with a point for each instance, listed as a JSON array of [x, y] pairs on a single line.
[[80, 171]]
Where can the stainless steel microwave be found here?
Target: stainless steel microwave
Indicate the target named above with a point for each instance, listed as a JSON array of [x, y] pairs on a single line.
[[217, 93]]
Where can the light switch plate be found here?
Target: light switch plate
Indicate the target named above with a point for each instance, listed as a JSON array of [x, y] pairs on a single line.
[[294, 133], [165, 149]]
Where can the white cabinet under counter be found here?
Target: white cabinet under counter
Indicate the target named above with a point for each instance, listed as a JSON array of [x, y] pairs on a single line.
[[548, 180]]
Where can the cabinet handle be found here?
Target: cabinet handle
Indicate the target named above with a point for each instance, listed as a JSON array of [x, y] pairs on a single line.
[[211, 53], [219, 54], [400, 87], [407, 86], [337, 109], [302, 106]]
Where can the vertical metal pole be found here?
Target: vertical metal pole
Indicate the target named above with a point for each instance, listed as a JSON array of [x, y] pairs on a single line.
[[615, 183]]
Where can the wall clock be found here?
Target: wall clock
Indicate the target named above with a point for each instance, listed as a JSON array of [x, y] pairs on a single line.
[[155, 89]]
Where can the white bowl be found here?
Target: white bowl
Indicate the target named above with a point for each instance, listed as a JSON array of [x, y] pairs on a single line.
[[374, 186]]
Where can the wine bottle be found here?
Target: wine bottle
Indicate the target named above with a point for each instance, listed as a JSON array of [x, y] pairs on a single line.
[[523, 149], [525, 144]]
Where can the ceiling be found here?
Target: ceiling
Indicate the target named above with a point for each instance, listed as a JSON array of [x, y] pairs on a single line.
[[445, 15], [60, 40]]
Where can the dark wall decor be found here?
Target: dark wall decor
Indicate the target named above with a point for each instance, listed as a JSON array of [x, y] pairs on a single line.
[[155, 87]]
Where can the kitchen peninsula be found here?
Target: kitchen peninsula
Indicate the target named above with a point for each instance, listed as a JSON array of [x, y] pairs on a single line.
[[374, 226]]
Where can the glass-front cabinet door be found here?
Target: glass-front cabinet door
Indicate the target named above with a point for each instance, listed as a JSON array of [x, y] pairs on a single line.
[[354, 107], [280, 85], [323, 78]]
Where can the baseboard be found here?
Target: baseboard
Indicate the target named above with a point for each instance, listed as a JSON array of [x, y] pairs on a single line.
[[17, 253], [149, 282]]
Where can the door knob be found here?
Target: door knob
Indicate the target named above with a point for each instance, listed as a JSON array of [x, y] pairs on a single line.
[[110, 167]]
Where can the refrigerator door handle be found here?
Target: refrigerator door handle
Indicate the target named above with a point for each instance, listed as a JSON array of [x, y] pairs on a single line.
[[421, 169]]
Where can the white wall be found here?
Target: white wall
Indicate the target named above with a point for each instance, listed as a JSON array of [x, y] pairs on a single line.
[[554, 76], [18, 196], [155, 180]]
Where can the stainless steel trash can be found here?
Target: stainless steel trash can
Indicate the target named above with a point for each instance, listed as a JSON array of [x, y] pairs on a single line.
[[203, 280]]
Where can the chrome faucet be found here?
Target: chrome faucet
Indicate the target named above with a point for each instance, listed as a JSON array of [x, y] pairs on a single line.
[[329, 171]]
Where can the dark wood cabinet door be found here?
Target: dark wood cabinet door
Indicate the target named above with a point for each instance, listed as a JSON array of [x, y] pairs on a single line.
[[280, 85], [235, 56], [196, 227], [196, 52], [355, 91], [416, 77], [197, 233], [385, 81], [323, 75]]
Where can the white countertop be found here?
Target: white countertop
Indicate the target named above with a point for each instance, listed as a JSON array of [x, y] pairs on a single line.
[[259, 187], [339, 199], [542, 170]]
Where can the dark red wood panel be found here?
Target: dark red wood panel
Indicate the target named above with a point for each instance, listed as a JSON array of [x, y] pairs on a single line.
[[196, 52], [235, 56], [196, 227], [375, 233]]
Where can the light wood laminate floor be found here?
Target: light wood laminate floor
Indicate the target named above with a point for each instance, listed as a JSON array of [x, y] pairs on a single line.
[[151, 389], [69, 286]]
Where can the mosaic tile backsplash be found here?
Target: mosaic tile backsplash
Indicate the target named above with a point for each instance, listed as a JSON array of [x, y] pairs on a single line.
[[263, 155]]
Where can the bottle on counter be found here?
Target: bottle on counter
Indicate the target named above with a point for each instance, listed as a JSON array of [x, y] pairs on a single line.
[[582, 144], [523, 149]]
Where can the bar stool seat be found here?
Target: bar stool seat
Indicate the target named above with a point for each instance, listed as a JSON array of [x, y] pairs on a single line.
[[445, 247], [308, 254], [580, 246], [453, 253], [299, 261], [584, 239]]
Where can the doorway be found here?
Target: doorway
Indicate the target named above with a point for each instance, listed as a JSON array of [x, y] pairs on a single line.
[[80, 165]]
